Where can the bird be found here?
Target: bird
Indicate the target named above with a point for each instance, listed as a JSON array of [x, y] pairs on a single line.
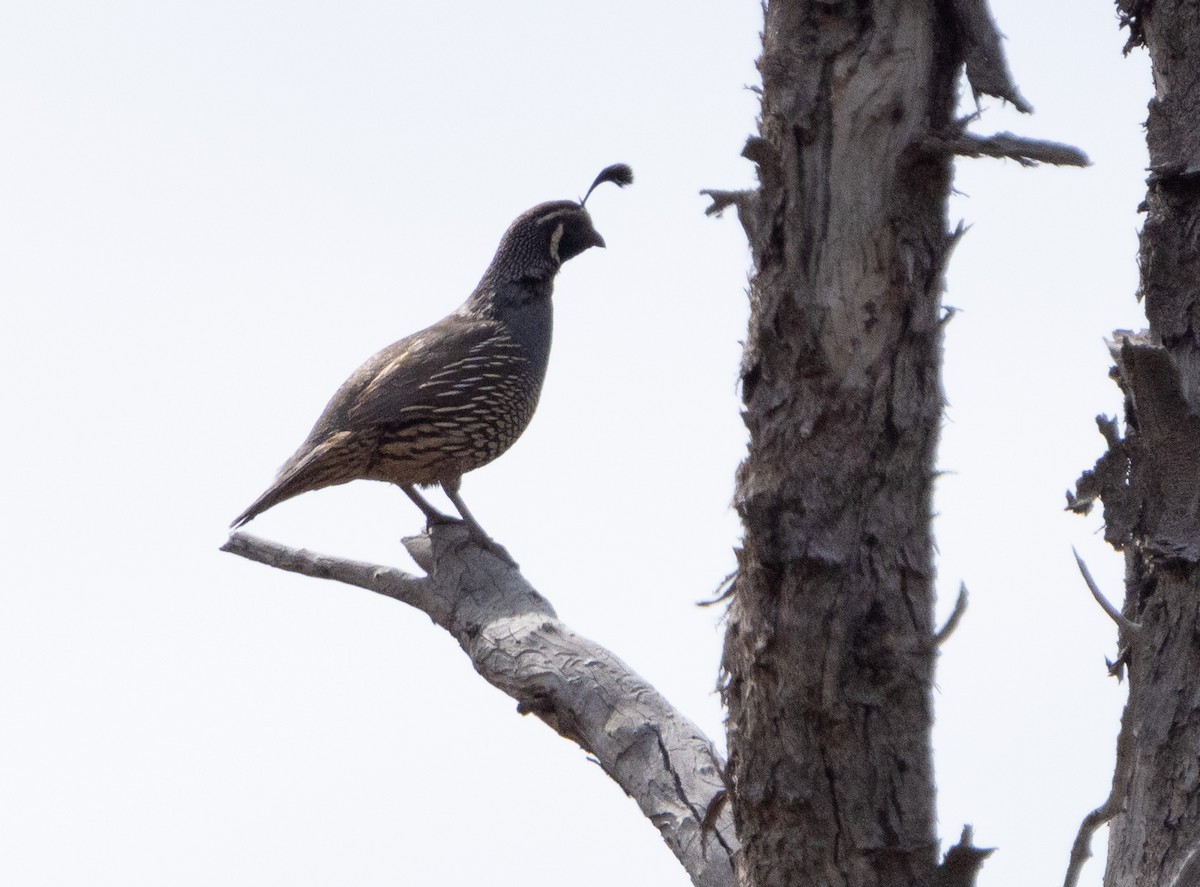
[[450, 398]]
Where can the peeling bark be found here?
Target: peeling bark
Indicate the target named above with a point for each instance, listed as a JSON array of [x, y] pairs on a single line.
[[987, 69], [578, 688]]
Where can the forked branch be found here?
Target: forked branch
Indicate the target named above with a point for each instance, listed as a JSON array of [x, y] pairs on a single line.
[[585, 693]]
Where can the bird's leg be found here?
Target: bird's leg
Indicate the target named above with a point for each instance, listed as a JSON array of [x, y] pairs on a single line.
[[451, 488], [432, 515]]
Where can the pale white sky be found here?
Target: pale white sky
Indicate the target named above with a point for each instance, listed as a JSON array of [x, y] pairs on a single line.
[[210, 213]]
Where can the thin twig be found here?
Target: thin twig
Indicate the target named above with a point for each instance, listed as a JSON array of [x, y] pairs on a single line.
[[722, 592], [722, 200], [1123, 623], [956, 615]]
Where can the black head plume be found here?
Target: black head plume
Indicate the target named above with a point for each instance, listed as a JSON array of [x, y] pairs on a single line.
[[620, 174]]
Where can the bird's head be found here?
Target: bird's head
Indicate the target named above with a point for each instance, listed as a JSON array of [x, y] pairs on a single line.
[[541, 239]]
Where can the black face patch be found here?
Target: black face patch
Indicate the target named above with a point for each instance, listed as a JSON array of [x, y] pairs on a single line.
[[577, 235]]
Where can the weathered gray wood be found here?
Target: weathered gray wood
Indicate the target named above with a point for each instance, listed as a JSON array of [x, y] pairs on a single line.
[[1027, 152], [1149, 481], [987, 68], [581, 690], [830, 646]]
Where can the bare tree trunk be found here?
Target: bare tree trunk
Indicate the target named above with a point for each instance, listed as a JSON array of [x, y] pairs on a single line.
[[1150, 483], [830, 647]]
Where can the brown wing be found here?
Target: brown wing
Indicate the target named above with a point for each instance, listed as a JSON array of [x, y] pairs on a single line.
[[437, 373], [424, 381]]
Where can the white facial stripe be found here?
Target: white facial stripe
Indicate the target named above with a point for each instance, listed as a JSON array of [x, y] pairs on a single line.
[[555, 238], [558, 213]]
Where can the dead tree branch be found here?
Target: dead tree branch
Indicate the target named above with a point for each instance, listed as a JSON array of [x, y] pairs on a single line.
[[1081, 850], [581, 690], [1027, 152], [1128, 626]]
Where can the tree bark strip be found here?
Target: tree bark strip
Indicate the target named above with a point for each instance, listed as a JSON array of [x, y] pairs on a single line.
[[830, 648]]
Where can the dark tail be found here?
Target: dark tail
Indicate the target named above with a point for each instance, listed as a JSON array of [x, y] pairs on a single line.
[[310, 469], [280, 491]]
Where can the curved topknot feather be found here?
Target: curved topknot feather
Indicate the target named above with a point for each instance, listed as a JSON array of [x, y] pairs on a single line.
[[620, 174]]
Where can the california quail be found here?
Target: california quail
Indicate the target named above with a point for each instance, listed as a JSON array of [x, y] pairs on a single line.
[[452, 397]]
